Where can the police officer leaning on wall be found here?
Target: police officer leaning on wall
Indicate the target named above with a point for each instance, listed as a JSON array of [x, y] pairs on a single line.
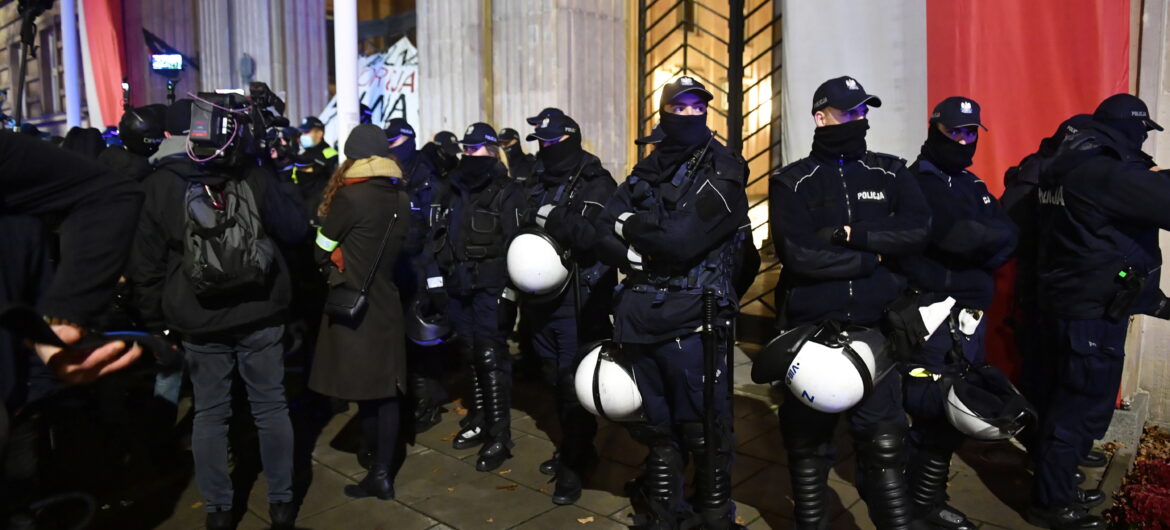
[[838, 217], [569, 189], [675, 226], [970, 237], [469, 272], [1101, 203]]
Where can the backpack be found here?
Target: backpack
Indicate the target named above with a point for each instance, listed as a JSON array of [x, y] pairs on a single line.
[[225, 249]]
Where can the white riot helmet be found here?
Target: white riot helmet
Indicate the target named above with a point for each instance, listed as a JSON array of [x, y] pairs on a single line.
[[605, 384], [983, 404], [537, 265], [827, 368]]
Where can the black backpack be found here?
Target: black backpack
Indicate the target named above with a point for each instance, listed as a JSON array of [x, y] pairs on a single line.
[[225, 249]]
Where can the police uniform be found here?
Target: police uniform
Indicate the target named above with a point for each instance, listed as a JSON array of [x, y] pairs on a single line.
[[970, 237], [313, 167], [468, 250], [674, 226], [827, 276], [1100, 208], [423, 184], [567, 193]]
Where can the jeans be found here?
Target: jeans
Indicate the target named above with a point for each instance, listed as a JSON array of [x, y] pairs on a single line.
[[260, 361]]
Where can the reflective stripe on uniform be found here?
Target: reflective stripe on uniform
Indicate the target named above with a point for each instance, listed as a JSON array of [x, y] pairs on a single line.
[[329, 152], [326, 244]]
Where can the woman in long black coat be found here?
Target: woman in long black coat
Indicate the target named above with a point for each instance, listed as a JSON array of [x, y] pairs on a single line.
[[364, 359]]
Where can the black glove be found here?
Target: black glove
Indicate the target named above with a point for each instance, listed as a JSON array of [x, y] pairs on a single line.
[[507, 313], [833, 235], [435, 302]]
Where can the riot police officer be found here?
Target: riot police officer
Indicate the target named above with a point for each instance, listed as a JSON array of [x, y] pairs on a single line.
[[423, 184], [567, 194], [838, 217], [141, 131], [674, 226], [970, 237], [442, 151], [520, 164], [1100, 208], [469, 270]]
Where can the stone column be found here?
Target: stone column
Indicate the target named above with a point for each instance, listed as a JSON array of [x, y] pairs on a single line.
[[216, 60], [451, 72]]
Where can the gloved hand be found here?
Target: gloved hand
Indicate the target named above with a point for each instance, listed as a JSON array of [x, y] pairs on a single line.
[[1163, 310], [436, 299]]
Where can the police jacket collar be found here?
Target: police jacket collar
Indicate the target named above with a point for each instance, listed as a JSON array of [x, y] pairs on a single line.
[[1109, 139], [824, 159], [926, 166]]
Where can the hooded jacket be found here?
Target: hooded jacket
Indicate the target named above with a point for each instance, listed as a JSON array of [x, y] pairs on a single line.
[[1100, 208], [163, 294]]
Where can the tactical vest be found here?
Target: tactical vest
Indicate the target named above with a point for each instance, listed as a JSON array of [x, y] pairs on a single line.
[[481, 230]]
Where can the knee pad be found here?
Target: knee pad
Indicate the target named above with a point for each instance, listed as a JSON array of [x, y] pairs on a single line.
[[648, 435], [489, 356], [883, 446]]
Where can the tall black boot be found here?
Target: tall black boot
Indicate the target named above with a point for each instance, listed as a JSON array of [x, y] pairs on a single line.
[[497, 387], [377, 483], [713, 506], [657, 494], [577, 454], [810, 490], [928, 488], [882, 453], [471, 427]]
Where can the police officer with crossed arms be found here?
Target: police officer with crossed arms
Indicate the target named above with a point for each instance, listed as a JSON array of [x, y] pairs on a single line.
[[838, 217]]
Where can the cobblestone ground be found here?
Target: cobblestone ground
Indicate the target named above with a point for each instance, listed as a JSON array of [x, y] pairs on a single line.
[[438, 486]]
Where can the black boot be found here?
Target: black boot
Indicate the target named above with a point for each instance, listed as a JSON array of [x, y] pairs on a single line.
[[712, 479], [283, 515], [882, 453], [659, 491], [471, 432], [810, 488], [1088, 498], [377, 483], [497, 387], [568, 486], [221, 520], [1071, 517], [550, 466], [928, 488]]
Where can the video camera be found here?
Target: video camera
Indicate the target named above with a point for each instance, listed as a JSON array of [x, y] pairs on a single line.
[[230, 129]]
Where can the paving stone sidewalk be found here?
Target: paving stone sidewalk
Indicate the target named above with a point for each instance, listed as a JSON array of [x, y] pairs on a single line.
[[438, 487]]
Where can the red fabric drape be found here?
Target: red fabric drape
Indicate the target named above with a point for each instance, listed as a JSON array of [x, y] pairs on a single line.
[[103, 19], [1030, 65]]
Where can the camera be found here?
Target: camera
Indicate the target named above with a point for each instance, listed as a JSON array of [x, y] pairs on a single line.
[[230, 129]]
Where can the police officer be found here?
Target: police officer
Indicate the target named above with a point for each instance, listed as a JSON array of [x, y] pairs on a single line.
[[315, 164], [838, 217], [469, 270], [970, 237], [567, 194], [443, 151], [282, 150], [423, 182], [674, 226], [520, 164], [1100, 208]]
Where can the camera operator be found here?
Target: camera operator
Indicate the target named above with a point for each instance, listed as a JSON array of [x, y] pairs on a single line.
[[205, 266]]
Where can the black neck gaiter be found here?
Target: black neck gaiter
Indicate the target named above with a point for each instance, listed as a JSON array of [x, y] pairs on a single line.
[[946, 154], [561, 158], [845, 140], [405, 154], [686, 131], [474, 172]]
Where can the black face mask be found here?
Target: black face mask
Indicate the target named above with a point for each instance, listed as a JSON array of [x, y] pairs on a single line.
[[680, 130], [946, 154], [845, 140], [404, 153], [474, 171], [562, 157], [1132, 131]]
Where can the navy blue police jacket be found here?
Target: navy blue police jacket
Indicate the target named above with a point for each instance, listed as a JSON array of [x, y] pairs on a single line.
[[685, 230], [424, 185], [1100, 208], [579, 196], [881, 202], [970, 236], [468, 245]]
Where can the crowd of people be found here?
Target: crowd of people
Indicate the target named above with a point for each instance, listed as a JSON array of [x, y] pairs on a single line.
[[225, 254]]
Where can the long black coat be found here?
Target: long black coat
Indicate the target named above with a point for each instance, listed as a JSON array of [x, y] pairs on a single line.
[[364, 359]]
